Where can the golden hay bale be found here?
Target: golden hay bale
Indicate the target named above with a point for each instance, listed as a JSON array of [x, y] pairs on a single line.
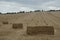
[[5, 22], [17, 26], [48, 30]]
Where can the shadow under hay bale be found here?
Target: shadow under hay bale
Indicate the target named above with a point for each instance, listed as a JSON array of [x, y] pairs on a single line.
[[5, 22], [17, 26], [46, 30]]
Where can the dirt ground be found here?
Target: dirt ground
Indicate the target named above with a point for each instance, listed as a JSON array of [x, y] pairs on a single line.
[[29, 19]]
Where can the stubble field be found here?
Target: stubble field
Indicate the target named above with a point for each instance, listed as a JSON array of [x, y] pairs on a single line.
[[29, 19]]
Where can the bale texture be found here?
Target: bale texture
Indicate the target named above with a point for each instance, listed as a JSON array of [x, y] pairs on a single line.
[[48, 30], [17, 26], [5, 22]]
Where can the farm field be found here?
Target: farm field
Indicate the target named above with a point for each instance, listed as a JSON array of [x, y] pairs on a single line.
[[29, 19]]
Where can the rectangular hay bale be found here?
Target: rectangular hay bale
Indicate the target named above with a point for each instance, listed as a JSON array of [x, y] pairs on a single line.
[[17, 25], [5, 22], [48, 30]]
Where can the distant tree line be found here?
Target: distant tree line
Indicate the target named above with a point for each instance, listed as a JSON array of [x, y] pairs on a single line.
[[53, 10], [21, 12], [11, 13], [37, 11], [0, 13], [30, 11]]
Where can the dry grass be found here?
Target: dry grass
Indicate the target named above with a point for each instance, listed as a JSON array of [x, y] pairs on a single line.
[[29, 19], [5, 33]]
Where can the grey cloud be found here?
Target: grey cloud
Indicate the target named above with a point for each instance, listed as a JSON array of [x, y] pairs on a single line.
[[37, 4], [29, 2]]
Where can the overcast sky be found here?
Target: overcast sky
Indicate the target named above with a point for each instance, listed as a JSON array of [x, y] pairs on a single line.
[[28, 5]]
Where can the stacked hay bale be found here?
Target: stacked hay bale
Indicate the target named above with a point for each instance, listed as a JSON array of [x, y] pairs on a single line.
[[5, 22], [17, 25], [48, 30]]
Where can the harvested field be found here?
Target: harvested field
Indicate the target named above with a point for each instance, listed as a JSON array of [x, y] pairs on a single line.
[[29, 19]]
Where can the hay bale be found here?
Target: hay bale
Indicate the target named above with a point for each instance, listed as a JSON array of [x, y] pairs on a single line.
[[17, 26], [5, 22], [48, 30]]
